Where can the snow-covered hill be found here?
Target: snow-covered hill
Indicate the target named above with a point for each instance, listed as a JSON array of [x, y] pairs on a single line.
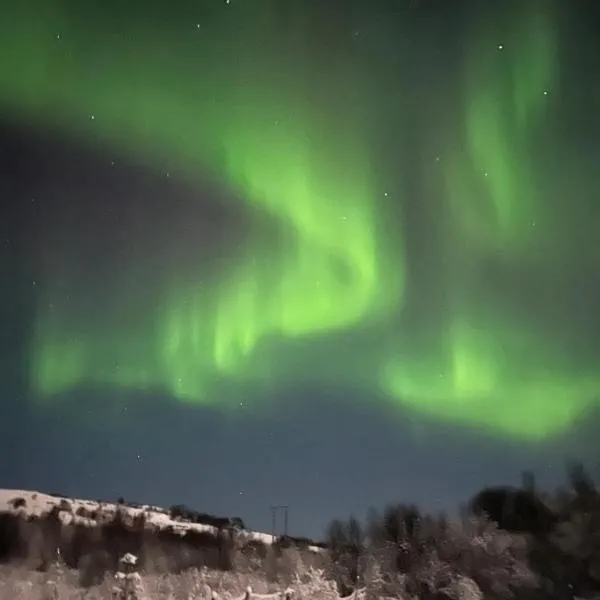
[[92, 513]]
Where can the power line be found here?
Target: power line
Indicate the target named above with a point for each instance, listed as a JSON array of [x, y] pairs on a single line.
[[275, 510]]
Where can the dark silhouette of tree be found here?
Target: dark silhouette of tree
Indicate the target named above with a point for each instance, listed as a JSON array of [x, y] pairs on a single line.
[[345, 541], [515, 510]]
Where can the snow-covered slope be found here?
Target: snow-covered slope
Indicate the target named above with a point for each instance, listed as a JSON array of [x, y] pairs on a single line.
[[92, 513]]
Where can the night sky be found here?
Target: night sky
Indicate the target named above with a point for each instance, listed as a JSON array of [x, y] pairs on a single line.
[[324, 254]]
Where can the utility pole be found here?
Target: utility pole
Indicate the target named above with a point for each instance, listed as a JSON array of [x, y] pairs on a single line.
[[274, 511]]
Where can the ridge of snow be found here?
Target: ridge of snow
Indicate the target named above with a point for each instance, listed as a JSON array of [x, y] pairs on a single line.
[[92, 513]]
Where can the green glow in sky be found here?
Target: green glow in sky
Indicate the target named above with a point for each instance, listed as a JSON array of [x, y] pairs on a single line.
[[470, 375], [492, 185], [293, 134]]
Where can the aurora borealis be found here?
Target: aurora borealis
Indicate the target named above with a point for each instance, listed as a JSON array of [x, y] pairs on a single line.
[[425, 250]]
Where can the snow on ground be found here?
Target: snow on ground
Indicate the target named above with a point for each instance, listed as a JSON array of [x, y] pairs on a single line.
[[93, 513]]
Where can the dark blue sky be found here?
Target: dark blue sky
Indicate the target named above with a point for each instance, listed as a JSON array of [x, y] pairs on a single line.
[[320, 457]]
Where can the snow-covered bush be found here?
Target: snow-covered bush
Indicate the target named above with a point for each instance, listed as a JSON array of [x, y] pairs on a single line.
[[128, 582]]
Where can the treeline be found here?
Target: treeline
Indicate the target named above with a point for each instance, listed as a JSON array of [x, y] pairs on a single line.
[[508, 543], [180, 511], [95, 550], [92, 541]]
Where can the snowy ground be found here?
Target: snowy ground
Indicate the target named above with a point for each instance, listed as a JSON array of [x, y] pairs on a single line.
[[22, 584]]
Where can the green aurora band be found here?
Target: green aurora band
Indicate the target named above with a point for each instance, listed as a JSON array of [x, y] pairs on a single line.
[[481, 360], [305, 168], [506, 89]]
